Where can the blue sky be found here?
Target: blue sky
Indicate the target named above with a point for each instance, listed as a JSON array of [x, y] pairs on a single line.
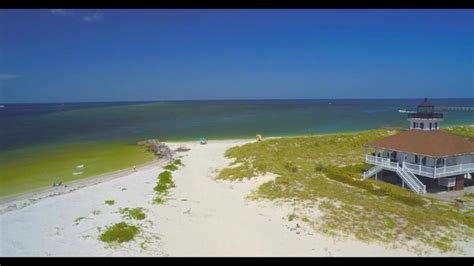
[[112, 55]]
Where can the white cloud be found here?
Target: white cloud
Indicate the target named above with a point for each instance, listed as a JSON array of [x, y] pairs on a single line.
[[61, 12], [7, 77], [93, 17]]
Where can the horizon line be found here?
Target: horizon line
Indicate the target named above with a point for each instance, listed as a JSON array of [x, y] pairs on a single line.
[[210, 100]]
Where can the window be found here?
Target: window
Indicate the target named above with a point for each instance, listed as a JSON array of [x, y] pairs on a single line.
[[436, 125], [430, 125], [440, 162], [416, 159], [422, 125], [414, 125], [423, 161]]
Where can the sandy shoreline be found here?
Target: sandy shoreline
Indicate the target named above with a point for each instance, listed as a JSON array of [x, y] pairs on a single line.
[[204, 217]]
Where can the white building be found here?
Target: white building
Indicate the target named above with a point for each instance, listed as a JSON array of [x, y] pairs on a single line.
[[423, 155]]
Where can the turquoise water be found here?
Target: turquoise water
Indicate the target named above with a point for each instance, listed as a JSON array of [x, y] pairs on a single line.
[[31, 124]]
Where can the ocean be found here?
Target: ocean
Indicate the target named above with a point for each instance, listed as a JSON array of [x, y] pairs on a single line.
[[31, 124]]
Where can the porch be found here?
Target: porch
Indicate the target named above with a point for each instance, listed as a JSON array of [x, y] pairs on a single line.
[[419, 169]]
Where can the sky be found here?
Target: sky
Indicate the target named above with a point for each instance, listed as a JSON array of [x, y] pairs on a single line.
[[75, 55]]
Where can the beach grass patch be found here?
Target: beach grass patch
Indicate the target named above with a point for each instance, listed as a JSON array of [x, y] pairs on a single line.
[[174, 165], [165, 183], [463, 131], [110, 202], [119, 233], [135, 213], [292, 217], [170, 167], [466, 197], [163, 186], [78, 220]]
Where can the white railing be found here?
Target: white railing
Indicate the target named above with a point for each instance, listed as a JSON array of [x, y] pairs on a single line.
[[373, 171], [384, 162], [447, 182], [454, 170], [420, 187], [404, 172], [421, 169]]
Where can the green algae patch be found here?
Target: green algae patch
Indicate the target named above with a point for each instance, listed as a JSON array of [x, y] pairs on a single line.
[[36, 167], [119, 233], [135, 213]]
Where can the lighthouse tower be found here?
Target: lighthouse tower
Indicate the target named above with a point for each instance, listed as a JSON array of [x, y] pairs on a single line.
[[425, 118]]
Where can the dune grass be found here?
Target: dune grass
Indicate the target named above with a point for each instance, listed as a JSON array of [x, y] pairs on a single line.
[[78, 220], [119, 233], [174, 165], [110, 202], [37, 167], [325, 173], [163, 186], [467, 197], [135, 213], [465, 131]]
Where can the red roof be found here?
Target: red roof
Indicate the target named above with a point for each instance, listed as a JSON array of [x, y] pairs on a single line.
[[434, 143]]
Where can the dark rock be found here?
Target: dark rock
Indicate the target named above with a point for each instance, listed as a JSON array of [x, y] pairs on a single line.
[[159, 149]]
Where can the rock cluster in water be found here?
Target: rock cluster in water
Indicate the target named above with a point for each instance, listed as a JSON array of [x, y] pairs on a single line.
[[161, 150]]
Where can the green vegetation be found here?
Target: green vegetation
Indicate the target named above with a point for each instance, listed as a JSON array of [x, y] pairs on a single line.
[[173, 166], [178, 162], [325, 172], [170, 167], [466, 197], [165, 183], [135, 213], [78, 220], [96, 212], [465, 131], [292, 217], [40, 166], [110, 202], [119, 233]]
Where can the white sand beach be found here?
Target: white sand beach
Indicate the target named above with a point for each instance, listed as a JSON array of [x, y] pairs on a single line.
[[204, 217]]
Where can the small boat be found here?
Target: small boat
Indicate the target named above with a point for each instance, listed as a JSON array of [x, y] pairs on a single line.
[[2, 106], [405, 111]]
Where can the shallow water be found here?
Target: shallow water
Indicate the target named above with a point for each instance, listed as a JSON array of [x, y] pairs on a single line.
[[32, 124]]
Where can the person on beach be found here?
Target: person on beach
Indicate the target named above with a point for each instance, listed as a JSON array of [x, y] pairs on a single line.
[[259, 137], [135, 168]]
